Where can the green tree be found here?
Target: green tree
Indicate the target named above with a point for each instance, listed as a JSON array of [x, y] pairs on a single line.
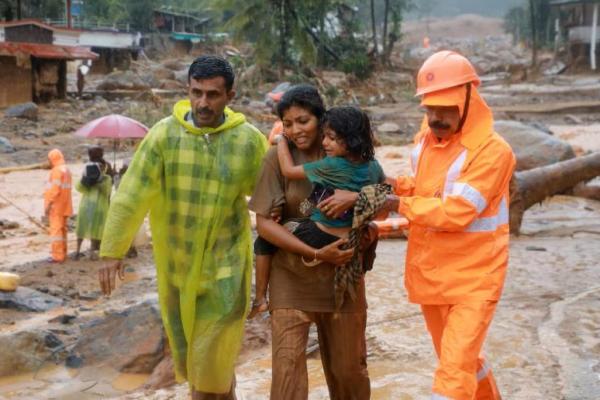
[[294, 34], [39, 9], [394, 10]]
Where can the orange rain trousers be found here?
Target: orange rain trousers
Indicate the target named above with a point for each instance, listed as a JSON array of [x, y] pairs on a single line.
[[58, 236], [458, 332], [57, 199]]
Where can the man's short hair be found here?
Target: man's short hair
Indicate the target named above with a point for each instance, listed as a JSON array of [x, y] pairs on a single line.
[[208, 66]]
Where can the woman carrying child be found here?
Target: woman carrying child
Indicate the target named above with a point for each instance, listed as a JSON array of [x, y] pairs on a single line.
[[300, 295]]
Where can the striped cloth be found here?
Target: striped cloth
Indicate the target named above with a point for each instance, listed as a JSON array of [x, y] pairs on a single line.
[[370, 201]]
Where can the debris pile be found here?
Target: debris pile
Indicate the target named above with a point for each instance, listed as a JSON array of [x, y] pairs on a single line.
[[491, 55]]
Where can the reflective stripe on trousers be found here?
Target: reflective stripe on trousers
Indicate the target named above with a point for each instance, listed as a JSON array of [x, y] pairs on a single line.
[[481, 374]]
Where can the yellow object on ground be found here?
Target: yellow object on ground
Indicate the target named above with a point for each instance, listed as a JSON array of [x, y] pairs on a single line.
[[9, 282], [194, 181]]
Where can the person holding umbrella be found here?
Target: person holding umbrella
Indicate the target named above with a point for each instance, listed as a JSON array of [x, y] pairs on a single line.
[[116, 127], [95, 188], [193, 171]]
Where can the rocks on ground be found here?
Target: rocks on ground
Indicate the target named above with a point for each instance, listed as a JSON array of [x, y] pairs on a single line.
[[532, 146], [6, 146], [25, 110], [27, 351], [26, 299], [131, 340], [123, 80]]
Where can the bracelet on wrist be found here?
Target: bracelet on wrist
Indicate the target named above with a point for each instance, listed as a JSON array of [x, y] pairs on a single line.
[[315, 261]]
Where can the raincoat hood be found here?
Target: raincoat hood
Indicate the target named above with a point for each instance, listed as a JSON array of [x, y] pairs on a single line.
[[56, 158], [479, 123], [183, 107]]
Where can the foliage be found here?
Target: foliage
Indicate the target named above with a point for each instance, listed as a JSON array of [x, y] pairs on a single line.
[[40, 9], [394, 10], [291, 34]]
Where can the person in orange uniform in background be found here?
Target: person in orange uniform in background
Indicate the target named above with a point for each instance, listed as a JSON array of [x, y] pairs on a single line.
[[58, 205], [277, 129], [456, 202]]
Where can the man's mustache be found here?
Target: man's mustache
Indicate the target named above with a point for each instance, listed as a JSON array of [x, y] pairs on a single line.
[[203, 111], [438, 125]]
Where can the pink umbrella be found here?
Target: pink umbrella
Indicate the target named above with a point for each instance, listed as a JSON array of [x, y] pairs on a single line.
[[113, 126]]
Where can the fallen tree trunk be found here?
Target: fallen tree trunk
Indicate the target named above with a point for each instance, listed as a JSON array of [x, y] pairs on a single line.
[[7, 170], [535, 185]]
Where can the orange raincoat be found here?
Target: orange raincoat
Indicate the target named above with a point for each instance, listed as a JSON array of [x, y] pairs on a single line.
[[457, 204], [57, 203]]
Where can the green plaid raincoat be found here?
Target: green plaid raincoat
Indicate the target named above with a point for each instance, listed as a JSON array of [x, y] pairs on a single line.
[[93, 208], [194, 182]]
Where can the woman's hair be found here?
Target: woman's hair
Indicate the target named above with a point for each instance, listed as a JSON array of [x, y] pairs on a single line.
[[304, 96], [352, 126], [96, 154]]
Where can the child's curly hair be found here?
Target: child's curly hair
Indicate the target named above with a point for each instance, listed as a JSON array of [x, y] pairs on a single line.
[[353, 127]]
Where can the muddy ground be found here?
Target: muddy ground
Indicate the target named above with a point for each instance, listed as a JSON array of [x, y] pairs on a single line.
[[544, 342]]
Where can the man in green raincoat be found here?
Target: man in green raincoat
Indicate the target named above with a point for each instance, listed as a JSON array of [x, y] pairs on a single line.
[[192, 172]]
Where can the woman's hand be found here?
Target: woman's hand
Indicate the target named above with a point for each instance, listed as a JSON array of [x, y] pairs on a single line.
[[332, 253], [340, 201], [276, 214]]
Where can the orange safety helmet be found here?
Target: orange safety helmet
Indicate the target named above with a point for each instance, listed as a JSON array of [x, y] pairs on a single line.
[[443, 70]]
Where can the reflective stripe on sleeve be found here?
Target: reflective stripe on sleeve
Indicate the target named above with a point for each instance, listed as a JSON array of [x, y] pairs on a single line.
[[490, 224], [414, 157], [453, 172], [470, 193], [436, 396]]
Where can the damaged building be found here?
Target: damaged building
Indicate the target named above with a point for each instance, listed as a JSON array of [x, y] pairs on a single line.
[[579, 22], [32, 66]]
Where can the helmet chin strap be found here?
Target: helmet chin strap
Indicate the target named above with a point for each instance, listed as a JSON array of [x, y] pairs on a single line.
[[465, 109]]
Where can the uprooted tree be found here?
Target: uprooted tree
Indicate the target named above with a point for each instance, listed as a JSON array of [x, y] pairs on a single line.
[[535, 185]]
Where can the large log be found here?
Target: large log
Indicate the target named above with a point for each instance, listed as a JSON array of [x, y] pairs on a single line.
[[6, 170], [535, 185]]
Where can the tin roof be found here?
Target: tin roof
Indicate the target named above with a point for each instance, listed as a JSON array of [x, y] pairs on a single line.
[[41, 24], [47, 51]]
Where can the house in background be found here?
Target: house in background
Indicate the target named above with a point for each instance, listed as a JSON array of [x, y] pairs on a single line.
[[115, 48], [183, 29], [579, 20], [33, 61]]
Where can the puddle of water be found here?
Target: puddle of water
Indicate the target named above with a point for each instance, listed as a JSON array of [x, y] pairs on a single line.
[[127, 382], [59, 382], [33, 321]]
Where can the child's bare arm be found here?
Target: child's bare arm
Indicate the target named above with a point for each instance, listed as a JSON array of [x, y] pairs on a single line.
[[286, 163]]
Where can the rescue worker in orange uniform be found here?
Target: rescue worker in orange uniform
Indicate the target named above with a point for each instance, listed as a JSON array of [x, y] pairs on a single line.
[[456, 202], [57, 204]]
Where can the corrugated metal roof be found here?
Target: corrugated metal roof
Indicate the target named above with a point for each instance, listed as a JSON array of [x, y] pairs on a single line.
[[41, 24], [47, 51]]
